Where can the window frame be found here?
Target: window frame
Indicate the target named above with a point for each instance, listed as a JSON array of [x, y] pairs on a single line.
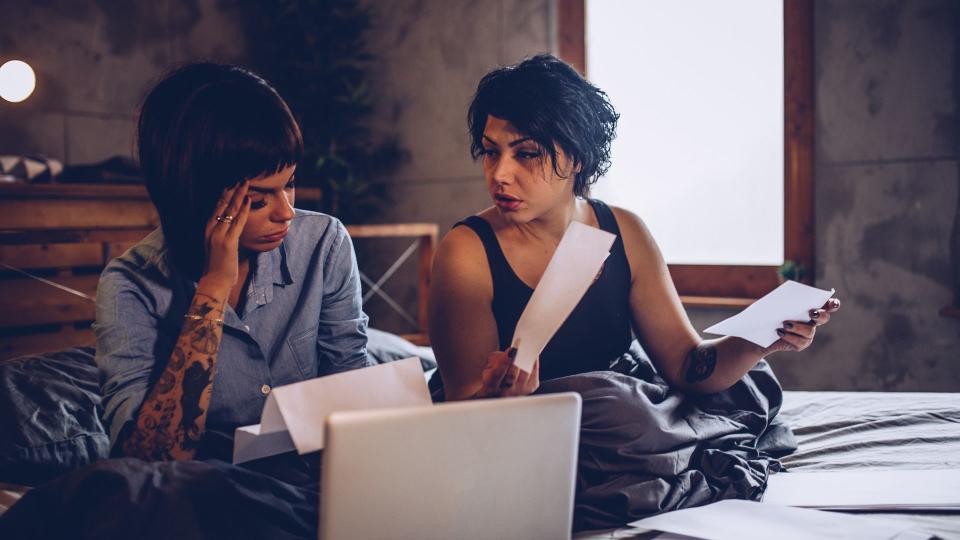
[[739, 285]]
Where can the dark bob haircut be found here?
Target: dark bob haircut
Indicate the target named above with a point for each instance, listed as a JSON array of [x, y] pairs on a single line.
[[206, 127], [548, 101]]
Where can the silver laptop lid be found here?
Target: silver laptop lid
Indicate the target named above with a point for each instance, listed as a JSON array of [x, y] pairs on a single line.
[[498, 469]]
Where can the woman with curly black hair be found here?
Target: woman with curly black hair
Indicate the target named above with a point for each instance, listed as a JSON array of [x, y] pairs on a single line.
[[680, 428]]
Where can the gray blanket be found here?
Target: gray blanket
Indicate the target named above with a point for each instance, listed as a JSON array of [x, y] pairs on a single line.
[[646, 448]]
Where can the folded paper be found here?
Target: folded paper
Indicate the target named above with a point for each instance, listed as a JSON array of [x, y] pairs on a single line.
[[571, 271], [293, 415]]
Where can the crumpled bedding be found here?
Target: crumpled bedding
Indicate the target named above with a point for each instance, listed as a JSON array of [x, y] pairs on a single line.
[[646, 448], [130, 498]]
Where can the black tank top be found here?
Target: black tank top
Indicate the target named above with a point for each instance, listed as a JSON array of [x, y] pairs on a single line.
[[598, 330]]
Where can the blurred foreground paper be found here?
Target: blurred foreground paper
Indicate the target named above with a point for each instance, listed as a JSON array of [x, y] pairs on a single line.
[[930, 490], [758, 324], [571, 271], [734, 519], [293, 414]]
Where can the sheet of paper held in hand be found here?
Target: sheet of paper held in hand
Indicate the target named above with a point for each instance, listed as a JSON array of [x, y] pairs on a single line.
[[758, 324], [571, 271], [734, 519], [293, 415]]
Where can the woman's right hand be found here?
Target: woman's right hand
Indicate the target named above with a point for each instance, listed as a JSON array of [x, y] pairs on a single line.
[[222, 237], [502, 378]]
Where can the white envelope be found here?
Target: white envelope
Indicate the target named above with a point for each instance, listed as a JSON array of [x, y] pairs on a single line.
[[293, 415], [758, 323], [571, 271]]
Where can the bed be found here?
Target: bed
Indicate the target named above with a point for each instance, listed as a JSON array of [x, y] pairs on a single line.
[[868, 430]]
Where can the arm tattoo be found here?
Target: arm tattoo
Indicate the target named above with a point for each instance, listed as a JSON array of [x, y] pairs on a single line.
[[172, 419], [702, 361]]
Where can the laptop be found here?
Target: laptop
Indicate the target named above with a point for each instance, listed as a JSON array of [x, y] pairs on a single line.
[[482, 469]]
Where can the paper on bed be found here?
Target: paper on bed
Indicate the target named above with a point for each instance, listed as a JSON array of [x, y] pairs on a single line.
[[293, 415], [734, 519], [569, 274], [758, 323], [936, 489]]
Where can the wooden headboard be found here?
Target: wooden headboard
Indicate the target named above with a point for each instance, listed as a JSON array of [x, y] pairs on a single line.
[[56, 238]]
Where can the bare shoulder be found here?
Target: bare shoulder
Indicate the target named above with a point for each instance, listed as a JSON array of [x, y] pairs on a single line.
[[635, 233], [638, 242], [461, 259]]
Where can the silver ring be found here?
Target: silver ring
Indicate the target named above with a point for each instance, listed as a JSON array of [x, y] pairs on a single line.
[[225, 219]]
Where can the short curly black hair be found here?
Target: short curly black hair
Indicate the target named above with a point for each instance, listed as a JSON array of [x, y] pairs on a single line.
[[547, 100]]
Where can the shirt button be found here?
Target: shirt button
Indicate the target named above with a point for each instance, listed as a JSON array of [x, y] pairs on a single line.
[[265, 389], [247, 328]]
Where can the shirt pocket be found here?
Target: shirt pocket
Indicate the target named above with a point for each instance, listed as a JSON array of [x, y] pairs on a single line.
[[304, 349]]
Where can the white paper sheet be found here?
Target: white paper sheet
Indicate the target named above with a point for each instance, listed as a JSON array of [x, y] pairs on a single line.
[[758, 323], [746, 520], [571, 271], [937, 489], [293, 415]]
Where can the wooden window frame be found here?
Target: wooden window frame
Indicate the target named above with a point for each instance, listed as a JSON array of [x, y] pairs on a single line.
[[738, 285]]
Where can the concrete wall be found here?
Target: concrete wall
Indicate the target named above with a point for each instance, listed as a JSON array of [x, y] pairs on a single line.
[[886, 197], [94, 62], [432, 54], [887, 142]]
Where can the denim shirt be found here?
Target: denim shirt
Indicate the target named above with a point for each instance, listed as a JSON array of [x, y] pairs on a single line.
[[302, 318]]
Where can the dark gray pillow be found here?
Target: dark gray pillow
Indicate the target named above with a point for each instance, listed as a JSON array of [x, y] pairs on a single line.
[[385, 347], [49, 415]]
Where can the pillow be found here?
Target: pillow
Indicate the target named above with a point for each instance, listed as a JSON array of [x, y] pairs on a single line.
[[49, 415], [383, 347]]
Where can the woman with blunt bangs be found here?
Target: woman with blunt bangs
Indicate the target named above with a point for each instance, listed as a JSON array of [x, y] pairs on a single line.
[[237, 292]]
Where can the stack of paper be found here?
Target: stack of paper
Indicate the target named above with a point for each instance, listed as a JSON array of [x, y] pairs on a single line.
[[746, 520], [867, 490], [293, 415]]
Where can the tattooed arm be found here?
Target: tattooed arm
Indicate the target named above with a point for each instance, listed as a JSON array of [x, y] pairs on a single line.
[[684, 359], [173, 417], [171, 420]]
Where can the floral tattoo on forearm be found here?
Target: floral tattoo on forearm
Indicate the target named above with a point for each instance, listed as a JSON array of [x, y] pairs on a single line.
[[171, 421]]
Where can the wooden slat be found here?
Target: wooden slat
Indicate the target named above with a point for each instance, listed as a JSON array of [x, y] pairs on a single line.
[[75, 192], [29, 302], [14, 346], [724, 281], [63, 214], [425, 266], [52, 255], [73, 236], [716, 302], [572, 29], [798, 193], [393, 230]]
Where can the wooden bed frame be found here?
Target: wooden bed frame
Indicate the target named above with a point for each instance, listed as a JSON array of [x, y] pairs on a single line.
[[62, 235]]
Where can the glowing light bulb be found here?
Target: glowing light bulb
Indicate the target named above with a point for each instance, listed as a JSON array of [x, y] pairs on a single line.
[[17, 81]]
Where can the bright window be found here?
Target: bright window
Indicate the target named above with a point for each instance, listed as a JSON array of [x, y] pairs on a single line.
[[699, 153]]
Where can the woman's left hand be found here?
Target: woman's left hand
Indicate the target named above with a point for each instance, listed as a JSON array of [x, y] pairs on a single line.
[[798, 335]]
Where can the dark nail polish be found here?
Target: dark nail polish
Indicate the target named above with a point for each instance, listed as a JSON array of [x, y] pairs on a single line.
[[512, 353], [781, 331], [787, 325], [246, 199], [815, 314]]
